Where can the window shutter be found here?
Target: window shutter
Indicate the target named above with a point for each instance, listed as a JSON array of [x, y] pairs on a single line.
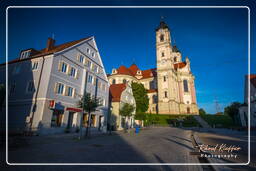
[[68, 69], [77, 56], [60, 65], [55, 88], [94, 81], [65, 90], [74, 93], [77, 74]]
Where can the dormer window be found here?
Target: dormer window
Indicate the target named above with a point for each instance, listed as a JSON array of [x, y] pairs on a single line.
[[139, 72], [114, 71], [25, 54], [161, 38]]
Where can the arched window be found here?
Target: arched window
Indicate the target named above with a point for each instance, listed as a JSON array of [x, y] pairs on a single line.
[[185, 85], [113, 81], [175, 59], [162, 54], [161, 38], [124, 81], [165, 94], [164, 78]]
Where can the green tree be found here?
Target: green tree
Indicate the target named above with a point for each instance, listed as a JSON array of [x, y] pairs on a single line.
[[202, 111], [232, 111], [126, 111], [141, 97], [88, 104], [2, 95]]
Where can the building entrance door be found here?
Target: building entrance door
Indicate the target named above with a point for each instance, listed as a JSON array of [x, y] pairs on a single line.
[[70, 119]]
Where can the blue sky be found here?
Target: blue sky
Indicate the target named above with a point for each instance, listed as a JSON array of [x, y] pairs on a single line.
[[215, 40]]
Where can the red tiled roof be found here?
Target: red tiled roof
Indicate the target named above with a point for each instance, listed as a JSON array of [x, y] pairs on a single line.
[[43, 52], [133, 68], [116, 91], [149, 73], [179, 65], [152, 90], [132, 71], [123, 70]]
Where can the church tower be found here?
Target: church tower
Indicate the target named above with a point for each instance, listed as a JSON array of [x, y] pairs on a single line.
[[166, 78]]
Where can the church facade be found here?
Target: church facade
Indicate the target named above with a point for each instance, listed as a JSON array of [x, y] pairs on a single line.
[[170, 86]]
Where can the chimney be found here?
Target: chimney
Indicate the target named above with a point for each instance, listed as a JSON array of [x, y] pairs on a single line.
[[50, 44]]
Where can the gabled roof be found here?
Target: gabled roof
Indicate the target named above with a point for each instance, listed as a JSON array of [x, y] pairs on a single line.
[[116, 91], [43, 52], [60, 47]]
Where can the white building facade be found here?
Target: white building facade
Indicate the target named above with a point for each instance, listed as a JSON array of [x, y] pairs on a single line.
[[44, 87]]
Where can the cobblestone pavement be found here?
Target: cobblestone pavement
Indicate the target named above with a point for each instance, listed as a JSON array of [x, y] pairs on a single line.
[[154, 145]]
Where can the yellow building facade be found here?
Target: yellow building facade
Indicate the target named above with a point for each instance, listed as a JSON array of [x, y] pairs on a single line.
[[170, 86]]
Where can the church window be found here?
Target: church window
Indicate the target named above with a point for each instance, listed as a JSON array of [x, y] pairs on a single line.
[[161, 37], [113, 81], [154, 99], [162, 54], [124, 81], [164, 78], [165, 94], [185, 84]]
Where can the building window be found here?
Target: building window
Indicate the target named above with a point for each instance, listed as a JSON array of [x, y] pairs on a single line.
[[30, 87], [175, 59], [185, 84], [161, 38], [164, 78], [162, 54], [25, 54], [95, 68], [70, 91], [60, 88], [81, 58], [88, 50], [165, 94], [90, 78], [93, 54], [124, 81], [34, 65], [89, 64], [72, 72], [64, 67], [113, 81], [154, 99]]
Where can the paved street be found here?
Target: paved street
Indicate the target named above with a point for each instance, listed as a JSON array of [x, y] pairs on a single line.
[[154, 145]]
